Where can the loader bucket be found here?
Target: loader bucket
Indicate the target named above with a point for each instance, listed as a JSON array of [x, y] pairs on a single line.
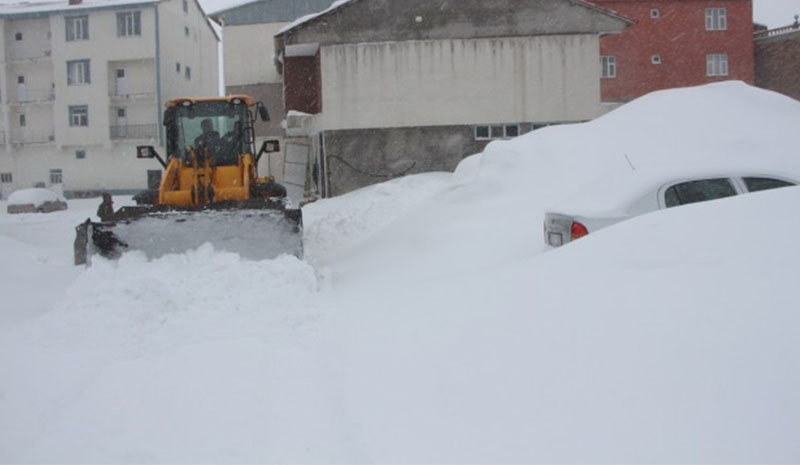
[[253, 233]]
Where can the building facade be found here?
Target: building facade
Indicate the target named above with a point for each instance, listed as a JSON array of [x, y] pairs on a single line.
[[778, 60], [249, 57], [379, 88], [676, 43], [83, 84]]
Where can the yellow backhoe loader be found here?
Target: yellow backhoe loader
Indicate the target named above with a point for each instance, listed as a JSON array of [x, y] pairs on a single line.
[[210, 191]]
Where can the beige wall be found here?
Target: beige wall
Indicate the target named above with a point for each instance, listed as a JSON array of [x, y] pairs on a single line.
[[249, 52], [463, 81]]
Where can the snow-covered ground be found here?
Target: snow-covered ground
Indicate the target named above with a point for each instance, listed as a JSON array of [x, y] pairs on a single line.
[[428, 323]]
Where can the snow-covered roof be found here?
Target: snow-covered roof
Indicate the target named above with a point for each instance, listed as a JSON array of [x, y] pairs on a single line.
[[22, 8], [340, 3], [334, 6]]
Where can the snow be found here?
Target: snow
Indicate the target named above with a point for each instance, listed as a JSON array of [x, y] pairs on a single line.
[[34, 196], [304, 19], [26, 7], [426, 324]]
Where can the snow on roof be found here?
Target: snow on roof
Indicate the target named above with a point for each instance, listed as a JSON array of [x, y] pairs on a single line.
[[335, 5], [63, 5]]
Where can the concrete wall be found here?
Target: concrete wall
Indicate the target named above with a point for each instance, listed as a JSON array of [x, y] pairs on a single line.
[[390, 20], [358, 158], [462, 81], [250, 54], [778, 63]]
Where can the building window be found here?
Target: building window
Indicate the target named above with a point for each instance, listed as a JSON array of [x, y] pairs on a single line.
[[6, 178], [55, 177], [78, 115], [22, 121], [498, 131], [122, 112], [129, 24], [77, 28], [186, 31], [80, 154], [608, 64], [655, 59], [78, 72], [177, 67], [20, 79], [716, 19], [655, 14], [18, 36], [185, 6], [717, 64], [187, 72]]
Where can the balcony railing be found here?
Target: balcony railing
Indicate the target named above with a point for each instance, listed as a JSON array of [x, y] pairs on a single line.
[[778, 31], [30, 55], [32, 138], [34, 95], [133, 131], [132, 94]]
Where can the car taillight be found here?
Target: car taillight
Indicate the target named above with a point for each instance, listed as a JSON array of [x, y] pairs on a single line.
[[577, 231]]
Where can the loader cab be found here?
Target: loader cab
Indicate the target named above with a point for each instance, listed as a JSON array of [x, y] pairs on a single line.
[[219, 129]]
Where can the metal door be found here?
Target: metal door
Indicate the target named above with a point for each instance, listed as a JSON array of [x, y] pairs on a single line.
[[295, 170]]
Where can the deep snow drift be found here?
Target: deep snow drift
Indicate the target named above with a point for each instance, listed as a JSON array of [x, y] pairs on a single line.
[[426, 324]]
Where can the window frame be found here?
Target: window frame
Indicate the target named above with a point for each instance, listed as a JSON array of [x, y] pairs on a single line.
[[716, 19], [56, 176], [187, 73], [6, 178], [129, 23], [70, 30], [78, 115], [656, 59], [22, 120], [490, 131], [655, 13], [717, 65], [662, 192], [608, 63], [82, 76], [80, 154]]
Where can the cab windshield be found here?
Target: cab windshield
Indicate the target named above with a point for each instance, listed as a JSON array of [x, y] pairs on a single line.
[[214, 129]]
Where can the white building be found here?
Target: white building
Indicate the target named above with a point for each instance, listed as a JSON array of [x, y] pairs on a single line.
[[84, 82]]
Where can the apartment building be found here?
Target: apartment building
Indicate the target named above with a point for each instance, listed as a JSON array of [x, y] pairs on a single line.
[[676, 43], [84, 82]]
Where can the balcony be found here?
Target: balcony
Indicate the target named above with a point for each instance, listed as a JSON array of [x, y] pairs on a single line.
[[133, 131], [28, 96], [118, 95], [30, 56], [32, 138]]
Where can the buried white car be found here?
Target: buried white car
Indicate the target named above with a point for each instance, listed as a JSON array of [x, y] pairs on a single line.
[[35, 200], [561, 227]]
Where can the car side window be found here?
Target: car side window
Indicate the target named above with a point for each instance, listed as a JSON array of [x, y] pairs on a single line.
[[763, 184], [698, 191]]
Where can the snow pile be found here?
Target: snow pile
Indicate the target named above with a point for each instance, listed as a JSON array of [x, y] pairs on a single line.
[[34, 196], [442, 333], [493, 212]]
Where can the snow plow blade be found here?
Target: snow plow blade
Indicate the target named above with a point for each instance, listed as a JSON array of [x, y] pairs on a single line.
[[256, 230]]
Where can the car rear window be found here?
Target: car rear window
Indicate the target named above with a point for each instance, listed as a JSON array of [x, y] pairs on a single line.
[[698, 191], [763, 184]]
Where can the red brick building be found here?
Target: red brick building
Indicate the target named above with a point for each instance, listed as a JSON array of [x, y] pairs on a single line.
[[676, 43]]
